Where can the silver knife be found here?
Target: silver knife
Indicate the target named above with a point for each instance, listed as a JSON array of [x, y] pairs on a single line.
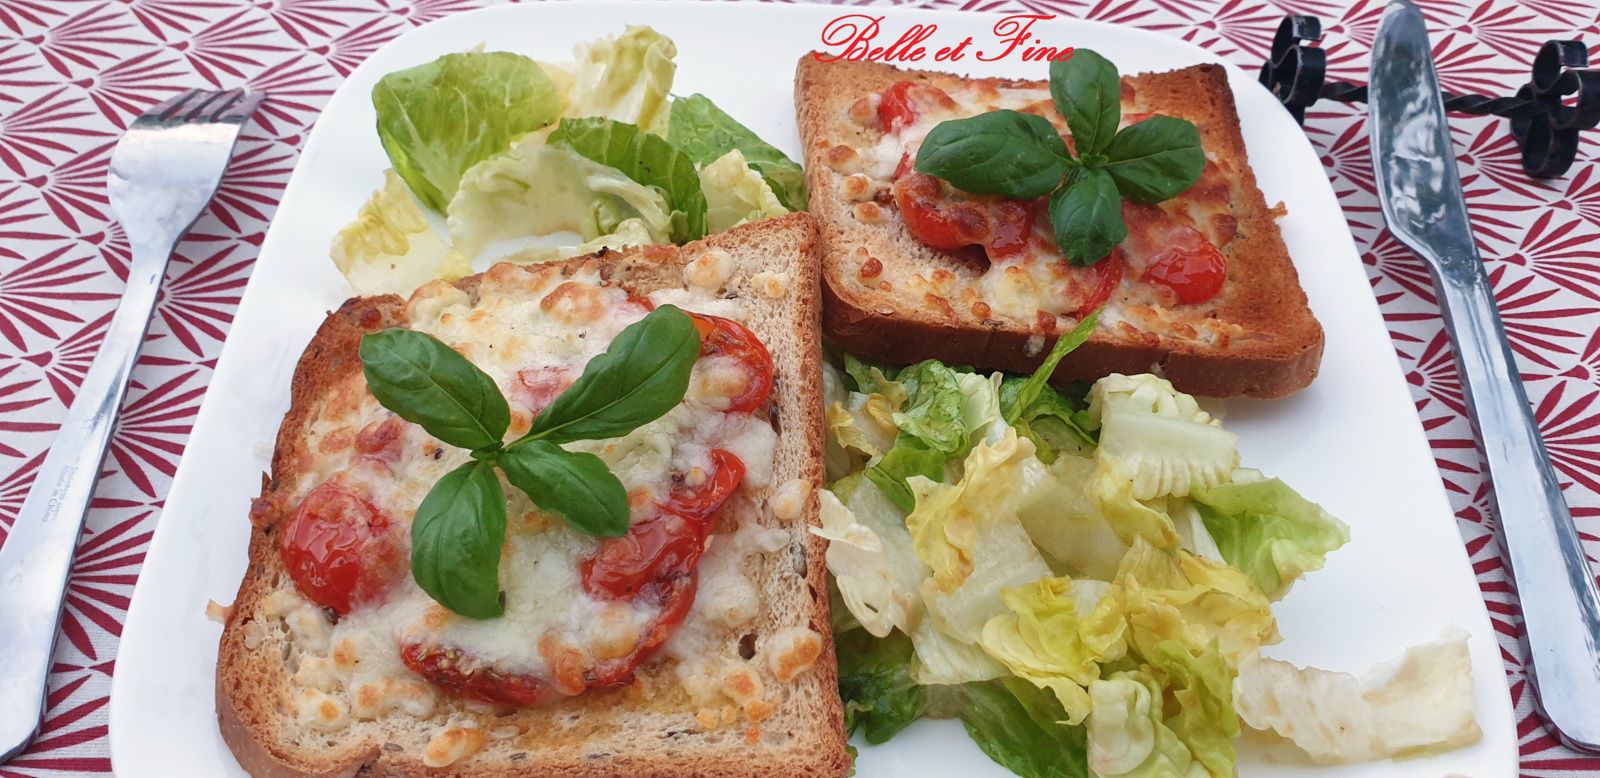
[[1421, 195]]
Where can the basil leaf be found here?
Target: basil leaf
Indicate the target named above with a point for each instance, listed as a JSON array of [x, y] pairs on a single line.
[[455, 541], [703, 131], [1087, 216], [1156, 159], [1017, 155], [576, 485], [1086, 91], [641, 376], [428, 383], [1036, 383], [646, 158]]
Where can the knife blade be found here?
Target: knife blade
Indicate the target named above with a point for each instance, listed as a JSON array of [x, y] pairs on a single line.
[[1420, 191]]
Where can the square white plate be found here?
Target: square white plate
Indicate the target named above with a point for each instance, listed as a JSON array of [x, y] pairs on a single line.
[[1351, 442]]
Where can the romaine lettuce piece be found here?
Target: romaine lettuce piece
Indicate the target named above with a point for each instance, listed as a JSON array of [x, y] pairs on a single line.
[[870, 556], [735, 194], [1057, 635], [880, 697], [1269, 531], [439, 119], [705, 132], [1128, 737], [944, 660], [1160, 437], [1216, 604], [627, 78], [390, 248], [534, 191], [1420, 703], [1064, 519], [1019, 726], [648, 159], [948, 519]]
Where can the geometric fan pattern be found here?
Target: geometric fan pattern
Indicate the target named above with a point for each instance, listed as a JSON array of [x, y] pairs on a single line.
[[74, 73]]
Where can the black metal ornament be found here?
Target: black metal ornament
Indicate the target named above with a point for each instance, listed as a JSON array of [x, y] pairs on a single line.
[[1560, 100]]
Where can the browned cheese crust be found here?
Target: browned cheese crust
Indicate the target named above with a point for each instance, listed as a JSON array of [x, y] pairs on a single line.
[[1281, 342], [646, 729]]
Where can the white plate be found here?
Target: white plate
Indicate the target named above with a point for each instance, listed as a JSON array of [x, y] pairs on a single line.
[[1351, 442]]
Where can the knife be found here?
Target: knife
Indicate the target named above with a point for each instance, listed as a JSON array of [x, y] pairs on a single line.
[[1422, 202]]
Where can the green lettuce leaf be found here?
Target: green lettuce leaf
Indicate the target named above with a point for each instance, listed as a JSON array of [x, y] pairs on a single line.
[[627, 79], [438, 119], [536, 193], [705, 133], [390, 247], [645, 158], [1128, 736], [1215, 604], [943, 412], [1269, 531], [1159, 436], [1057, 635], [1053, 421], [870, 556], [880, 697], [1019, 727], [735, 194]]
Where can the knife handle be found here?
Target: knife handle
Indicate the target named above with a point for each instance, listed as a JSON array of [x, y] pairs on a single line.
[[36, 559], [1556, 588]]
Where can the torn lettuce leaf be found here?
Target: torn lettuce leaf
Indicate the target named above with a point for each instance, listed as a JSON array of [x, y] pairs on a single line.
[[439, 119], [390, 247], [1020, 727], [1267, 530], [1057, 635], [1160, 437], [705, 132], [948, 519], [627, 79], [869, 553], [736, 194], [1216, 604], [880, 697], [647, 159], [1419, 703], [534, 191]]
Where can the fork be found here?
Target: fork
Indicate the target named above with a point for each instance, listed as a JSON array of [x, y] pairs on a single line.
[[163, 173]]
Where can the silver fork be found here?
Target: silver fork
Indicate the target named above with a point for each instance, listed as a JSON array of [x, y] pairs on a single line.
[[163, 172]]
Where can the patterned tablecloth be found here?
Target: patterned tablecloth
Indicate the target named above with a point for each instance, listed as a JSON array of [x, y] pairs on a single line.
[[73, 73]]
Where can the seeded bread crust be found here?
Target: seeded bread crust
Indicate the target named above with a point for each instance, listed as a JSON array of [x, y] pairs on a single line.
[[1281, 343], [648, 729]]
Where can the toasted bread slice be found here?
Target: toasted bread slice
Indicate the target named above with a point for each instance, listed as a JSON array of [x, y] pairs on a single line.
[[889, 297], [290, 704]]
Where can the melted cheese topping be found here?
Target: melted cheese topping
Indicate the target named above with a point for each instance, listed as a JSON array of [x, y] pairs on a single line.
[[1033, 287], [532, 332]]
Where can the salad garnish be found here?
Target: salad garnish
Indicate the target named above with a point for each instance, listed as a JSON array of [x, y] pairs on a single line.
[[461, 524], [1085, 578], [531, 161], [1022, 156]]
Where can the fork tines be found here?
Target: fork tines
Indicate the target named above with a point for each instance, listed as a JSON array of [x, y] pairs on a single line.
[[196, 105]]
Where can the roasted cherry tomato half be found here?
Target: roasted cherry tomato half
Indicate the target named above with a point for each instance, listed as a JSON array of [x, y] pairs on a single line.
[[903, 102], [340, 550], [460, 675], [1195, 270], [1102, 278], [668, 544], [946, 220], [727, 338]]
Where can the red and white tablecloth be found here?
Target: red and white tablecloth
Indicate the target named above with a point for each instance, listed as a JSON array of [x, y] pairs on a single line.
[[73, 73]]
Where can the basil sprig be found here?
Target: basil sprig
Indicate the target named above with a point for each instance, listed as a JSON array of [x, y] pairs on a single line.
[[460, 527], [1021, 156]]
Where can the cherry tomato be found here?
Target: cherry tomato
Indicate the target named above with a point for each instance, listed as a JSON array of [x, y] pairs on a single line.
[[668, 544], [537, 387], [1105, 276], [727, 338], [1195, 270], [902, 103], [947, 220], [340, 550], [460, 675]]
